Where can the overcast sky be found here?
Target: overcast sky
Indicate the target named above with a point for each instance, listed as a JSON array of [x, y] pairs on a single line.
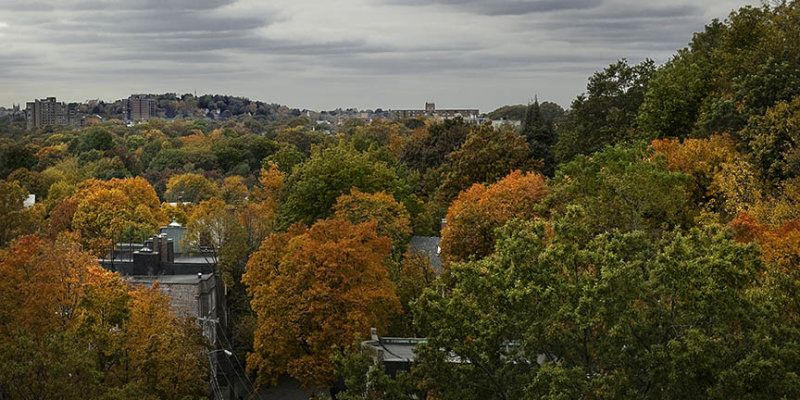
[[324, 54]]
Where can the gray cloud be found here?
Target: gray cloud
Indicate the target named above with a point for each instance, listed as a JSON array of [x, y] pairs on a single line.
[[506, 7], [318, 54], [115, 5]]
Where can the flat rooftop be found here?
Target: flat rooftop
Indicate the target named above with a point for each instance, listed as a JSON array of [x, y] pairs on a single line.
[[171, 279], [396, 349], [178, 260]]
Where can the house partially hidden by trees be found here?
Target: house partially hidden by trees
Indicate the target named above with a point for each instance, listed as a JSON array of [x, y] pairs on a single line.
[[190, 280]]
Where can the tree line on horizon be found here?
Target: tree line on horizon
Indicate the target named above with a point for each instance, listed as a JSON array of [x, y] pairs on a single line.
[[644, 243]]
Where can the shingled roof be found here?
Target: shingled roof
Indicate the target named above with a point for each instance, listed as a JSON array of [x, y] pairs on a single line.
[[428, 246]]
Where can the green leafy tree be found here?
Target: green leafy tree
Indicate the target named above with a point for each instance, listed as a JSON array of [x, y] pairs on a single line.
[[427, 148], [775, 142], [286, 157], [35, 182], [12, 196], [689, 314], [671, 105], [314, 186], [606, 113], [541, 137], [485, 157], [618, 188], [732, 71], [366, 380]]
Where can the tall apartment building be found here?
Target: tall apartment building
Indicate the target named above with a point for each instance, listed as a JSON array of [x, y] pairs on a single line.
[[139, 108], [41, 112]]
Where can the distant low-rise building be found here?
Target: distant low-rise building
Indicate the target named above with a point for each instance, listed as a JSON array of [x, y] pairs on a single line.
[[48, 111], [431, 111], [500, 123]]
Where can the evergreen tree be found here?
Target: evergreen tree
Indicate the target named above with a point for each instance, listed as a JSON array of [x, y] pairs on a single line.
[[541, 137]]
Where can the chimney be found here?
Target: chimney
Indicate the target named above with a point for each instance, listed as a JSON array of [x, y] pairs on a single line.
[[373, 332], [163, 251], [444, 223]]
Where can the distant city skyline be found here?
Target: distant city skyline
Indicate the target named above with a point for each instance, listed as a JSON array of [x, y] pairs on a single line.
[[322, 55]]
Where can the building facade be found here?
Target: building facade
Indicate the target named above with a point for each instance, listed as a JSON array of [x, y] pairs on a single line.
[[139, 108], [43, 112], [431, 112]]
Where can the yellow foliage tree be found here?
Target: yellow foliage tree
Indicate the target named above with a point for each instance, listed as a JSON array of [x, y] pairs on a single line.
[[71, 329], [190, 187], [258, 215]]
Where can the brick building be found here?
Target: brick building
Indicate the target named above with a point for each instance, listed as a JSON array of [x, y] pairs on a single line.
[[43, 112], [139, 108]]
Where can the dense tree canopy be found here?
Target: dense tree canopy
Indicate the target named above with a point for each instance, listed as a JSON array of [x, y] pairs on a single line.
[[478, 211], [73, 330], [641, 244], [620, 189], [314, 186], [606, 113], [391, 216], [314, 289], [485, 157], [621, 316]]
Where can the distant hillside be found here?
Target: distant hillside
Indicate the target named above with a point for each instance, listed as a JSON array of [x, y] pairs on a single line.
[[550, 111], [189, 106], [514, 112]]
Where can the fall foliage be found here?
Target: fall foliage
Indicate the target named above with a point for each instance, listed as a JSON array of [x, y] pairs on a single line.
[[479, 210], [313, 290], [642, 243], [113, 211], [72, 329], [391, 216]]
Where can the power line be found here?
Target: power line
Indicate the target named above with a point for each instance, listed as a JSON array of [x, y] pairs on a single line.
[[246, 382]]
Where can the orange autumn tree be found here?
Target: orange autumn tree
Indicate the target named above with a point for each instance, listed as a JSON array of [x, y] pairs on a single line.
[[42, 284], [479, 210], [393, 219], [40, 299], [779, 245], [164, 353], [258, 215], [70, 329], [314, 290]]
